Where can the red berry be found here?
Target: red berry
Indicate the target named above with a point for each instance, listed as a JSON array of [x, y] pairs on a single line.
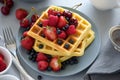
[[42, 65], [53, 20], [21, 13], [3, 65], [5, 10], [73, 21], [27, 43], [62, 22], [41, 57], [50, 33], [45, 22], [34, 17], [62, 35], [55, 64], [67, 14], [9, 3], [24, 23], [71, 30], [25, 34]]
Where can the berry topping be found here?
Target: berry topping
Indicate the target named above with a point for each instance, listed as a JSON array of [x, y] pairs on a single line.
[[55, 64], [44, 23], [53, 20], [24, 23], [62, 22], [73, 21], [71, 30], [40, 46], [41, 57], [50, 33], [67, 14], [71, 41], [62, 35], [59, 41], [42, 65], [67, 46]]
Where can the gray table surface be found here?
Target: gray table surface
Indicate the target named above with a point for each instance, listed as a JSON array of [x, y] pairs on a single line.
[[103, 20]]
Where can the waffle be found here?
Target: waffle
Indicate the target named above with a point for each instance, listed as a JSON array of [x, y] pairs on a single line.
[[79, 51], [81, 31], [81, 48]]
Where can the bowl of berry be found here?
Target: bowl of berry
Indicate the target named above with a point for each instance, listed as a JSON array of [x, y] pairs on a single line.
[[5, 60]]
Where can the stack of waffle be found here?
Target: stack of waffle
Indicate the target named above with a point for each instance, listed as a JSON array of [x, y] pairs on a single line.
[[82, 38]]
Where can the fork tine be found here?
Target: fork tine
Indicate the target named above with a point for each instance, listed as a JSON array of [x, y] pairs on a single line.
[[8, 35]]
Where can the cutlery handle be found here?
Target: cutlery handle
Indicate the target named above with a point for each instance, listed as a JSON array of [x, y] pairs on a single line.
[[21, 69]]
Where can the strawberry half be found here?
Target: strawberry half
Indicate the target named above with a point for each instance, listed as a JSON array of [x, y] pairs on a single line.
[[50, 33], [53, 20], [62, 22], [45, 22], [27, 43], [55, 64]]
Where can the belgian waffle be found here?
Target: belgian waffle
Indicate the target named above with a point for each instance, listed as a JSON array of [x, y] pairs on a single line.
[[81, 31], [79, 51]]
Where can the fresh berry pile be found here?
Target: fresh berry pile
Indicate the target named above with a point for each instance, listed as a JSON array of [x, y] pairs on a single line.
[[7, 5], [2, 63], [57, 25]]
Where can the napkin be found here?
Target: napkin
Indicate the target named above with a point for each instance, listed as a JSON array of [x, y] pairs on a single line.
[[106, 66]]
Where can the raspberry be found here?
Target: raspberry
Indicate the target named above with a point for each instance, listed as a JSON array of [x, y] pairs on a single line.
[[41, 57], [71, 30], [62, 35], [42, 65], [2, 65]]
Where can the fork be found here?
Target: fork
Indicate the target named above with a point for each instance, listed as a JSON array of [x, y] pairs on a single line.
[[10, 44]]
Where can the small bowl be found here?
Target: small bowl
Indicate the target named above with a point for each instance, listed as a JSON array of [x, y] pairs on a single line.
[[7, 58], [8, 77], [114, 35]]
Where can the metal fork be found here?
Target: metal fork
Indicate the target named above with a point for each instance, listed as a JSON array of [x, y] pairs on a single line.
[[10, 44]]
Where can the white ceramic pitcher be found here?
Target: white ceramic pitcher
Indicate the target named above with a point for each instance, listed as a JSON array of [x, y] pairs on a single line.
[[105, 4]]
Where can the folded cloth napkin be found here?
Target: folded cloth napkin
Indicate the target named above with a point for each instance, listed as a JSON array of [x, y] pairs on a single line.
[[106, 66]]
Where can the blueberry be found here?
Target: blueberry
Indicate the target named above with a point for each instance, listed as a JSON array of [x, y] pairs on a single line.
[[39, 77], [65, 27], [43, 35], [30, 57], [67, 46], [58, 31], [67, 18], [49, 69], [59, 41], [58, 14], [40, 24], [41, 46], [71, 41]]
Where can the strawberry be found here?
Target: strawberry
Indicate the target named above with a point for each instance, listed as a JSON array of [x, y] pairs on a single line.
[[62, 35], [55, 64], [3, 65], [21, 13], [1, 56], [27, 43], [52, 12], [62, 22], [45, 22], [53, 20], [50, 33], [42, 65], [41, 57], [24, 23], [25, 33], [71, 30]]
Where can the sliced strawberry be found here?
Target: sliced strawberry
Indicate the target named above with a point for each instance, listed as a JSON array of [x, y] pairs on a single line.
[[42, 65], [71, 30], [53, 12], [24, 23], [21, 13], [62, 22], [41, 57], [55, 64], [53, 20], [2, 65], [62, 35], [27, 43], [45, 22], [50, 33], [1, 56]]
